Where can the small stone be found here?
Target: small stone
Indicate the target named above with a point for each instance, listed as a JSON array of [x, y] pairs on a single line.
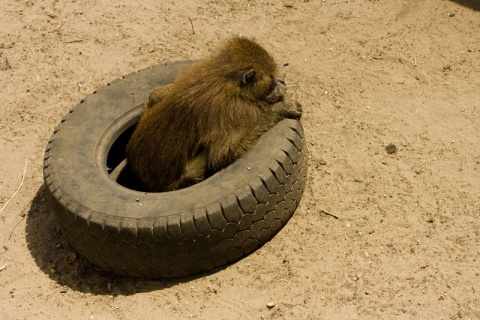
[[271, 304], [70, 258], [391, 148]]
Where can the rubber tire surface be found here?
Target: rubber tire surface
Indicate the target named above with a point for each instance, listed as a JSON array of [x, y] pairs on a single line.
[[168, 234]]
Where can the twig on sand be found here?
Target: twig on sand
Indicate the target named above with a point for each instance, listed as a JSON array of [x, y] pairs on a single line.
[[15, 227], [60, 25], [75, 40], [328, 213], [6, 204], [191, 22], [21, 183]]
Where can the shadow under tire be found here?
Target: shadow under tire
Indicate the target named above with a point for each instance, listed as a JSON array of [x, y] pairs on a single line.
[[169, 234]]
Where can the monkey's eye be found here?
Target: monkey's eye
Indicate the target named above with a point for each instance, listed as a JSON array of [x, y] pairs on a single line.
[[248, 77]]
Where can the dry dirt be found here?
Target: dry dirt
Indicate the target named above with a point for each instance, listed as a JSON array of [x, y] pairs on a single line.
[[406, 244]]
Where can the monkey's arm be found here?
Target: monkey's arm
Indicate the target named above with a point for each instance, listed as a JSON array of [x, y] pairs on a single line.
[[288, 109], [229, 146]]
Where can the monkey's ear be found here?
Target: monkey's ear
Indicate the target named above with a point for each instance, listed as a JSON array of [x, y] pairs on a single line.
[[248, 77]]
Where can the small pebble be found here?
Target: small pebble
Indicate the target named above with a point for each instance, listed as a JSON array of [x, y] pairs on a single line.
[[271, 304], [71, 257], [391, 148]]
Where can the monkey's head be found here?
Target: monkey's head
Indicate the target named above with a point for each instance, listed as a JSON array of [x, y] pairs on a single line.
[[250, 71]]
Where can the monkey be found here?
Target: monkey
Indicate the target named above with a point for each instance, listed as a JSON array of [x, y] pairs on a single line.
[[211, 114]]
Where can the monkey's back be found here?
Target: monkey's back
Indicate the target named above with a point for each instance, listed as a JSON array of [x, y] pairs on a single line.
[[160, 146]]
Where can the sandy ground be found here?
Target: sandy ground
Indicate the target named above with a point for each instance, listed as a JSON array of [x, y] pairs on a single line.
[[406, 244]]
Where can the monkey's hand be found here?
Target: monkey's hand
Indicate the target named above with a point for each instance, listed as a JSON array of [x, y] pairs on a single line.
[[288, 109]]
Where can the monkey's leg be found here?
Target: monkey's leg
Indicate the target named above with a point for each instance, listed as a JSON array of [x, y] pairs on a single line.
[[155, 96], [193, 172], [229, 148]]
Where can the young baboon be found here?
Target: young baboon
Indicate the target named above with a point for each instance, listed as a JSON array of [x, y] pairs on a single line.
[[213, 112]]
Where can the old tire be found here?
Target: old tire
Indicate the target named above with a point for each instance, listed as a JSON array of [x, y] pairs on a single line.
[[165, 234]]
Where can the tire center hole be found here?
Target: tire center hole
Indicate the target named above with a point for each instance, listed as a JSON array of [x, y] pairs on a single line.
[[116, 162]]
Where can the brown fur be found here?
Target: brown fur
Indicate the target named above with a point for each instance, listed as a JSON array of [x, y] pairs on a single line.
[[213, 112]]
